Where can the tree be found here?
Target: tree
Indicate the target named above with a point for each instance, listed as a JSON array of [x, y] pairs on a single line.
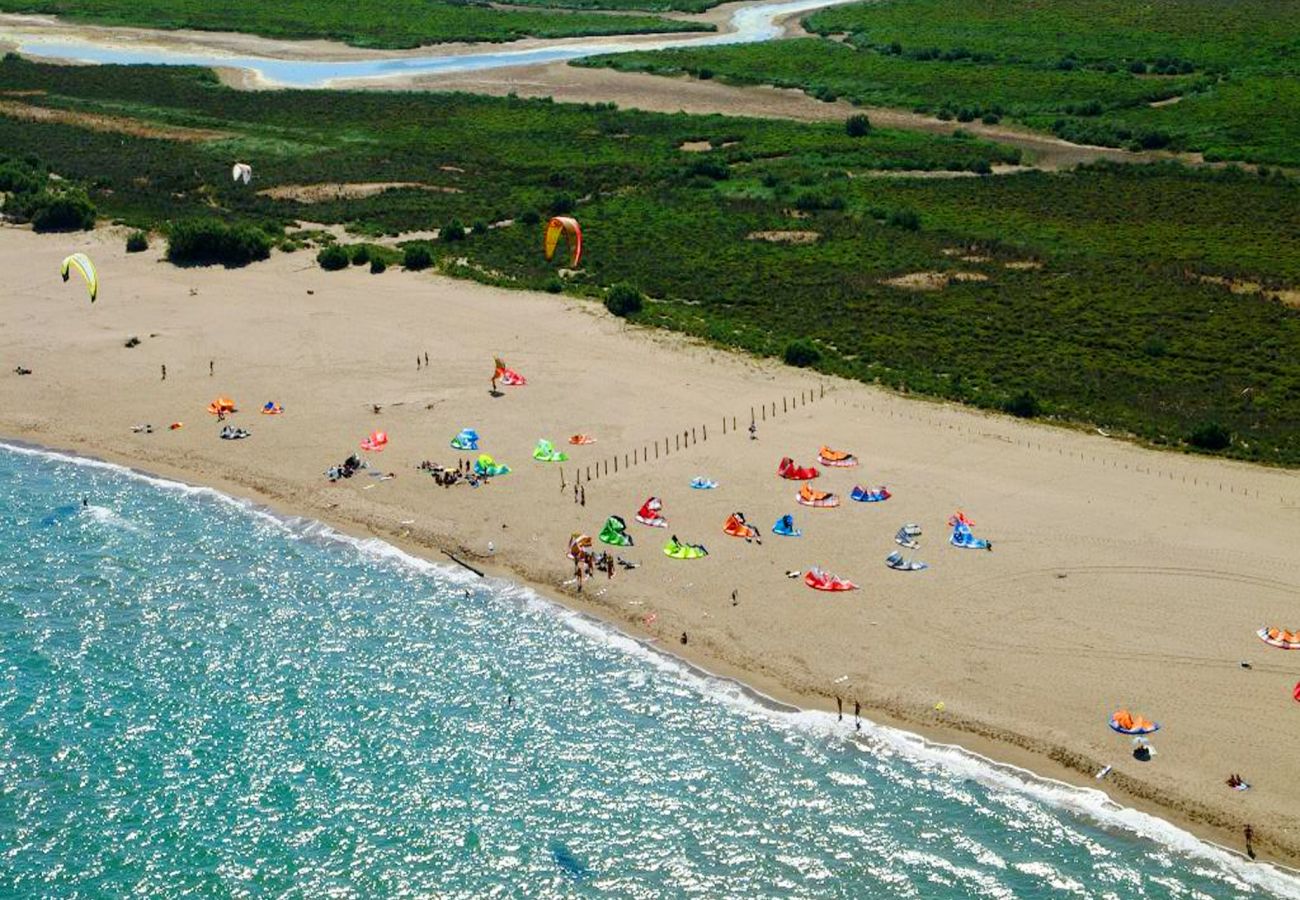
[[623, 300], [802, 353], [857, 126]]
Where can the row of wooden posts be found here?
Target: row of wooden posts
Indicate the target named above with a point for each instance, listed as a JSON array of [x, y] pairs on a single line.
[[691, 436]]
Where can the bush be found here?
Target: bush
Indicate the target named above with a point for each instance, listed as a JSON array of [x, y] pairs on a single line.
[[333, 258], [709, 168], [531, 217], [991, 118], [857, 126], [206, 242], [1024, 405], [416, 257], [377, 265], [704, 74], [452, 231], [65, 211], [480, 228], [137, 242], [555, 286], [1210, 436], [360, 255], [623, 300], [906, 219], [563, 204], [802, 353]]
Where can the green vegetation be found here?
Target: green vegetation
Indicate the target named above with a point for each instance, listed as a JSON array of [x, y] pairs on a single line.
[[1088, 71], [387, 24], [623, 300], [1084, 292], [333, 257], [137, 242], [802, 353], [28, 194], [207, 242]]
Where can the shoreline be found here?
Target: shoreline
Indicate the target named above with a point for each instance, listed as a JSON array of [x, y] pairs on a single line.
[[782, 642], [913, 738]]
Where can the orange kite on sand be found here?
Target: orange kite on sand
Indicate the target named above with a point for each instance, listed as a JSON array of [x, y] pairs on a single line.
[[1280, 637], [737, 527], [823, 499], [222, 405], [1126, 723], [377, 441], [839, 458], [582, 439]]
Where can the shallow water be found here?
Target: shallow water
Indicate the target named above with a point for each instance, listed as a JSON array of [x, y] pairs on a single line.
[[196, 696], [749, 24]]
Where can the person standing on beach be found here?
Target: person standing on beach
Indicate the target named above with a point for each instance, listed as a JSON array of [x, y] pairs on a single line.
[[426, 359], [1250, 837], [857, 716], [584, 495], [839, 704], [211, 365], [164, 372], [733, 598]]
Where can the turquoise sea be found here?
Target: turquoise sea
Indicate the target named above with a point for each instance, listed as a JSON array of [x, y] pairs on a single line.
[[198, 698]]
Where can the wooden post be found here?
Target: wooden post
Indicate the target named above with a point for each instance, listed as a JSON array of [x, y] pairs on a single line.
[[693, 438], [706, 431], [724, 424], [783, 409], [616, 465], [607, 467], [677, 439], [764, 412]]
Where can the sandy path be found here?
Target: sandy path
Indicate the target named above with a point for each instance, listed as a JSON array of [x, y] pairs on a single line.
[[1120, 576]]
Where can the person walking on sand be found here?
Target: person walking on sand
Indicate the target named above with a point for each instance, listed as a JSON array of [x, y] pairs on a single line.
[[426, 359], [839, 704], [1250, 838], [584, 495], [733, 598], [685, 639], [211, 365], [857, 716], [164, 372], [753, 431]]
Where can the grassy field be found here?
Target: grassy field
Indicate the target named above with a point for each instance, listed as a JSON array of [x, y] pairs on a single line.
[[1083, 292], [1088, 71], [388, 24]]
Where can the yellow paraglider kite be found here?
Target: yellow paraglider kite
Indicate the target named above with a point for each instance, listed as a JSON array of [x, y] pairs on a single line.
[[563, 226], [81, 263]]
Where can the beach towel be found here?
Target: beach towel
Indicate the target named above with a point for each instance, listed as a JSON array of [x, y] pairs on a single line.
[[545, 451], [789, 471], [582, 439], [615, 532], [649, 514], [838, 458], [700, 483], [377, 441], [1126, 723], [489, 467], [271, 408], [819, 499], [821, 580], [870, 495], [785, 527], [675, 549], [466, 440], [1280, 638]]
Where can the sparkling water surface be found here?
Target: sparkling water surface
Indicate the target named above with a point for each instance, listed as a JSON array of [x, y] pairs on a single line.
[[200, 699]]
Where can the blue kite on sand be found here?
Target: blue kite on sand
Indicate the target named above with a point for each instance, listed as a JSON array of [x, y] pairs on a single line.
[[785, 526], [466, 440], [700, 483]]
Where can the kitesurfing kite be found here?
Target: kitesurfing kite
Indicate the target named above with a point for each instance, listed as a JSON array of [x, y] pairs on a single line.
[[821, 580], [545, 452], [788, 470], [507, 376], [80, 263], [566, 227], [650, 513], [466, 440], [1280, 637], [1126, 723], [870, 495], [677, 550], [821, 499], [615, 532], [488, 467]]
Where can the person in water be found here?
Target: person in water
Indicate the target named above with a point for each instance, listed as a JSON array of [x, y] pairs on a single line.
[[84, 503]]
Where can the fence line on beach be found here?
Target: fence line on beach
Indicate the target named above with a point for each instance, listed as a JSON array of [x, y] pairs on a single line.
[[1194, 480], [650, 451]]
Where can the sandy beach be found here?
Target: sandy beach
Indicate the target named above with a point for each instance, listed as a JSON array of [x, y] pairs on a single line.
[[1120, 576]]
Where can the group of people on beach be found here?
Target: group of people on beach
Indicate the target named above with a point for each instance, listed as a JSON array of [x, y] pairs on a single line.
[[444, 477]]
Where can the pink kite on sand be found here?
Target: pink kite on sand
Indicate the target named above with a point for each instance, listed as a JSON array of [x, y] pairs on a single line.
[[508, 377], [377, 441]]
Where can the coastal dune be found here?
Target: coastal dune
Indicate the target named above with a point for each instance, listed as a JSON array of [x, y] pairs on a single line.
[[1120, 577]]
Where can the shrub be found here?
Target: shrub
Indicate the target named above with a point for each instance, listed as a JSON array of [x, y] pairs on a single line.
[[906, 219], [802, 353], [857, 126], [377, 265], [480, 227], [979, 167], [333, 258], [709, 168], [1024, 405], [360, 254], [531, 217], [205, 242], [452, 231], [1137, 67], [137, 242], [1210, 436], [561, 204], [623, 300], [704, 74], [416, 257], [17, 179], [555, 286], [991, 118], [65, 211]]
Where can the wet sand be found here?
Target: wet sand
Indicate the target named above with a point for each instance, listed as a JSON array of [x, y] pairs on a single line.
[[1120, 576]]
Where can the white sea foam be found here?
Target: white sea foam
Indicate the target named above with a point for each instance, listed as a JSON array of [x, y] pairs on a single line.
[[952, 759]]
